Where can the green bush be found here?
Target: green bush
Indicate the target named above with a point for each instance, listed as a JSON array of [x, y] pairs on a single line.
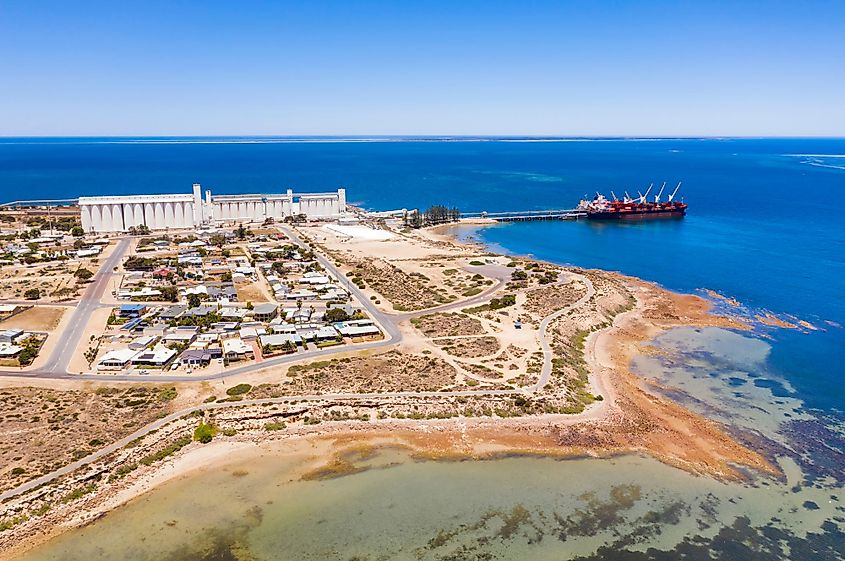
[[204, 433], [167, 394], [240, 389]]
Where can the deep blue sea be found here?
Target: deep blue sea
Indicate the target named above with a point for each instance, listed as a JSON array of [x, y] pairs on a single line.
[[766, 223]]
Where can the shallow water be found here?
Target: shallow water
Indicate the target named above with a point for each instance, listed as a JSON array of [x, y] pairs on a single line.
[[513, 508]]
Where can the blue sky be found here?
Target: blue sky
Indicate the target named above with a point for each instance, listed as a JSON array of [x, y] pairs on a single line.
[[469, 67]]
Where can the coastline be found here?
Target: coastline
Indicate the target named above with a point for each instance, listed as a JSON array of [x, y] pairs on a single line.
[[629, 420]]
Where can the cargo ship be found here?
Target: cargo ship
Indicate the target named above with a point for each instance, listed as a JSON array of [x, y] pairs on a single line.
[[633, 208]]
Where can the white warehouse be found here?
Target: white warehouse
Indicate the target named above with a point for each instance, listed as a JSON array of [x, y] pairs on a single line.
[[161, 212]]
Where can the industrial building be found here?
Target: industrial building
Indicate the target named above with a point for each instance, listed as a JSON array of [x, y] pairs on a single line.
[[161, 212]]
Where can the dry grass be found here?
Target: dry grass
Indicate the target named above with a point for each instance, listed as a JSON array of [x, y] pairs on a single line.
[[42, 430], [471, 347], [448, 325], [392, 371], [37, 318]]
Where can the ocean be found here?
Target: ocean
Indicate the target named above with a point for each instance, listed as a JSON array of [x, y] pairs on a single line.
[[764, 227]]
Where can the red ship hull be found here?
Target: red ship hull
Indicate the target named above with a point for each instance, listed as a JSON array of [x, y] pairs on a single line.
[[631, 211]]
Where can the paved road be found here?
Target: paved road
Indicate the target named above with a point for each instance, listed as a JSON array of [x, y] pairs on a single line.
[[72, 334]]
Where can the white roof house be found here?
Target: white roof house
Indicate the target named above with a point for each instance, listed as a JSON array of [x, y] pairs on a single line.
[[9, 351], [158, 356], [235, 346], [116, 359], [319, 333], [279, 339]]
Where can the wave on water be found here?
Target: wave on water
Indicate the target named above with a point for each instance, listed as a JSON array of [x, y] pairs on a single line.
[[821, 160]]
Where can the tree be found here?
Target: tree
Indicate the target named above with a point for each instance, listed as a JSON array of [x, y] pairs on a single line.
[[32, 294], [519, 274], [193, 300], [169, 293], [218, 239], [83, 274], [335, 315], [249, 306], [77, 231]]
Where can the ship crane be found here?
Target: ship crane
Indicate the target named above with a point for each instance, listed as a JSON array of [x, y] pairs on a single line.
[[612, 194], [644, 197], [657, 198], [628, 198], [672, 196]]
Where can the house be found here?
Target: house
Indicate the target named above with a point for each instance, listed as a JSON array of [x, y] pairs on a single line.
[[357, 328], [145, 292], [280, 339], [265, 312], [7, 309], [200, 311], [222, 292], [324, 333], [173, 312], [87, 252], [233, 314], [116, 359], [283, 328], [142, 342], [223, 326], [158, 357], [9, 336], [195, 357], [302, 315], [9, 351], [301, 295], [184, 335], [250, 333], [318, 280], [235, 349], [131, 310], [191, 259]]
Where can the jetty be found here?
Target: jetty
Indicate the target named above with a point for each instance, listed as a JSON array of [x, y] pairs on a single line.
[[528, 215]]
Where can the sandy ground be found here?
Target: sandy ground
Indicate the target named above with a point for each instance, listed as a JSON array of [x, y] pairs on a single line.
[[37, 318]]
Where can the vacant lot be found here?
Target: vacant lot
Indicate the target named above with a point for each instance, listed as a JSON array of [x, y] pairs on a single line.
[[37, 318], [41, 430], [392, 371], [448, 325]]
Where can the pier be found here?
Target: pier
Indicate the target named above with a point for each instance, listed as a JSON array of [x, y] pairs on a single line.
[[527, 215]]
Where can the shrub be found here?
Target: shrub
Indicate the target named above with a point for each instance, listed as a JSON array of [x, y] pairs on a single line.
[[18, 471], [83, 274], [204, 433], [476, 263], [240, 389], [167, 394], [275, 426], [32, 294]]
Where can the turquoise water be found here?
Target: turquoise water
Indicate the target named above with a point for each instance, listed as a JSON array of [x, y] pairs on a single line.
[[764, 227]]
